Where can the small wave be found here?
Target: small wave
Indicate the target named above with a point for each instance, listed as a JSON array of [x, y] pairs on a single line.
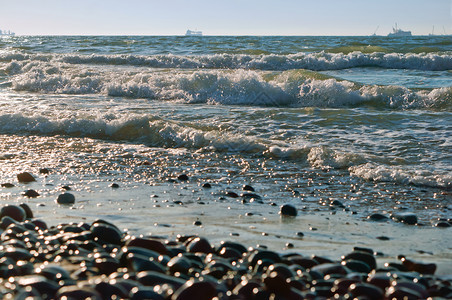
[[372, 172], [320, 61], [294, 88]]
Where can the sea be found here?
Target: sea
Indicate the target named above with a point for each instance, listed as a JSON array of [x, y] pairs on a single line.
[[305, 120]]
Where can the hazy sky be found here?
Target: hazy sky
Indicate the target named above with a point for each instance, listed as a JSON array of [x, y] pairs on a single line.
[[232, 17]]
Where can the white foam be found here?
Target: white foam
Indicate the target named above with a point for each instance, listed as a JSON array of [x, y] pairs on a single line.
[[312, 61], [226, 87], [373, 172]]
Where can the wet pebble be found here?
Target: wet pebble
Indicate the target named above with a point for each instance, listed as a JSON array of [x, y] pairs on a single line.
[[377, 217], [31, 194], [288, 210], [405, 217], [99, 261], [65, 198], [25, 177]]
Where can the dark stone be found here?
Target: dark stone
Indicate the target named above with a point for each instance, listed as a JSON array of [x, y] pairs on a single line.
[[27, 209], [114, 185], [25, 177], [106, 233], [15, 212], [357, 266], [66, 187], [288, 210], [75, 292], [228, 244], [363, 256], [152, 278], [232, 194], [138, 263], [182, 177], [197, 223], [200, 290], [31, 194], [250, 196], [331, 268], [247, 187], [179, 264], [377, 217], [443, 224], [419, 267], [337, 203], [65, 198], [145, 293], [383, 238], [405, 217], [110, 291], [7, 185], [206, 185], [149, 244], [367, 290], [199, 244], [44, 171]]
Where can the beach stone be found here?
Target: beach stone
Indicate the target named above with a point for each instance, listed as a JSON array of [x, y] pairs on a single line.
[[65, 198], [199, 244], [15, 212], [44, 171], [139, 293], [179, 264], [405, 217], [106, 233], [357, 266], [206, 185], [31, 194], [149, 244], [200, 290], [182, 177], [25, 177], [247, 187], [153, 278], [197, 223], [363, 256], [377, 217], [27, 209], [288, 210], [419, 267], [367, 290], [114, 185], [7, 185], [75, 292], [232, 194], [443, 224]]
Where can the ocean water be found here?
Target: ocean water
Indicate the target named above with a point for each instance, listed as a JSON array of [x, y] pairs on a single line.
[[367, 120]]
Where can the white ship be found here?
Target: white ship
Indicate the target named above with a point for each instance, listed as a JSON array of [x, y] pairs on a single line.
[[397, 32], [193, 33], [7, 32]]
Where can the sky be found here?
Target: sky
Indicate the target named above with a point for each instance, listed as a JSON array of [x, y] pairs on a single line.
[[232, 17]]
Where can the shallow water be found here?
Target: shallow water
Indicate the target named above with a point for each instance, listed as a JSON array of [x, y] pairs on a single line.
[[305, 120]]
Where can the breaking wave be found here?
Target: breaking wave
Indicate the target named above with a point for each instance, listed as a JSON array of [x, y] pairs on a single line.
[[318, 61], [293, 88]]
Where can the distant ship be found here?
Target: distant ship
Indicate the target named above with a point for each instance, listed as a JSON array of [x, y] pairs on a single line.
[[193, 33], [6, 32], [397, 32]]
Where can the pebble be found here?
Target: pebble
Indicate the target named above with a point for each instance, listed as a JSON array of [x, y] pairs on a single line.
[[65, 198], [288, 210], [247, 187], [99, 261], [31, 194], [7, 185], [44, 171], [405, 217], [206, 185], [182, 177], [114, 185], [377, 217], [15, 212], [25, 177]]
